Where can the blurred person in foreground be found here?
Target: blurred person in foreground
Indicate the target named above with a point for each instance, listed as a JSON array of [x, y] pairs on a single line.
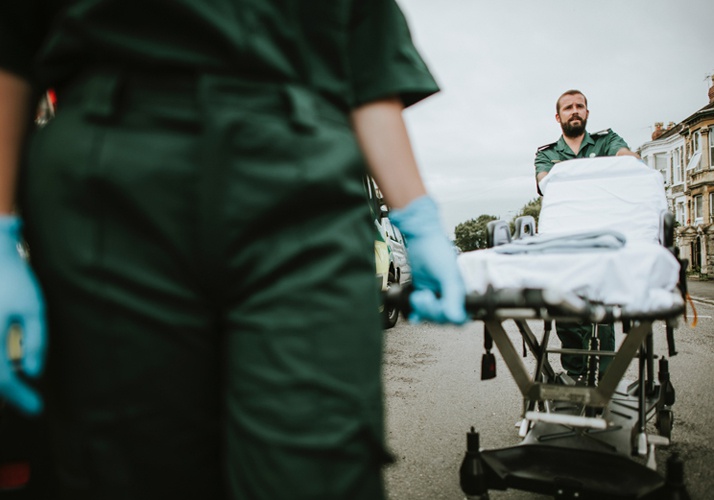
[[202, 254]]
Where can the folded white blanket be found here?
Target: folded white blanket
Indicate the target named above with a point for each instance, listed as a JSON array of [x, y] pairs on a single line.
[[571, 242], [639, 276]]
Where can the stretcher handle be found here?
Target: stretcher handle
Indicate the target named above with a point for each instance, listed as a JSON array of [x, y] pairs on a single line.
[[489, 302], [549, 304]]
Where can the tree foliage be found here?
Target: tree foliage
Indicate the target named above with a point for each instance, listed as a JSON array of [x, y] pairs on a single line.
[[471, 235]]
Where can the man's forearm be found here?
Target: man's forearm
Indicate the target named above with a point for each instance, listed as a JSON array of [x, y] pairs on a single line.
[[626, 152], [14, 107], [383, 137]]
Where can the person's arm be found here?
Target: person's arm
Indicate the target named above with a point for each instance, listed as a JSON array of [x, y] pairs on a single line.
[[384, 140], [439, 289], [14, 108], [543, 164], [618, 147], [21, 302], [627, 152]]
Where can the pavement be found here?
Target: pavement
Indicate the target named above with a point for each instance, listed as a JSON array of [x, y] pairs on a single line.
[[701, 291]]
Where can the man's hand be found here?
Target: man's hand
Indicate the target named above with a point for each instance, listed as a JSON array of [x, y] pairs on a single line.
[[22, 306], [439, 293]]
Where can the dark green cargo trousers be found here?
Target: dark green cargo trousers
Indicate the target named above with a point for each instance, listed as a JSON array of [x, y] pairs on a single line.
[[577, 335], [207, 257]]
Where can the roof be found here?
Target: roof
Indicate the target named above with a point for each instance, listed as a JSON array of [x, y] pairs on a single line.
[[676, 129], [707, 110]]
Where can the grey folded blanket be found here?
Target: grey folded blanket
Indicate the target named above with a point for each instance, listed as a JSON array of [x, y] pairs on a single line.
[[565, 243]]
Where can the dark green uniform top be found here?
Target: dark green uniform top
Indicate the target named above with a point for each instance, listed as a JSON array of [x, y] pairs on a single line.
[[350, 51], [577, 335], [603, 143]]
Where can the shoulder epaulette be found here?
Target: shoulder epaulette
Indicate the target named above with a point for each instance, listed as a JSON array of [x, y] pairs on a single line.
[[602, 132], [547, 146]]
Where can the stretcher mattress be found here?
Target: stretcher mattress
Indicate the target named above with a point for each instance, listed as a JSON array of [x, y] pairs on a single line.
[[598, 237]]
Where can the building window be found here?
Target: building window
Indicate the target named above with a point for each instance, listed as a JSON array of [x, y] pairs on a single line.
[[711, 147], [680, 212], [695, 141], [698, 209], [661, 165], [711, 207], [678, 165]]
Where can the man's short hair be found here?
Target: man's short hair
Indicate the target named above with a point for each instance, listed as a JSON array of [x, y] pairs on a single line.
[[569, 92]]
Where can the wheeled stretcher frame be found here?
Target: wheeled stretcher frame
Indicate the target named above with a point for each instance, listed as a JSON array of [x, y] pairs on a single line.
[[580, 441]]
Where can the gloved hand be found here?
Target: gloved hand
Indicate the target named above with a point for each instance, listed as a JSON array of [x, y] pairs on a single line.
[[433, 261], [21, 304]]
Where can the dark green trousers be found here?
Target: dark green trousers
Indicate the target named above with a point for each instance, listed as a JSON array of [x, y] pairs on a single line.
[[577, 336], [206, 252]]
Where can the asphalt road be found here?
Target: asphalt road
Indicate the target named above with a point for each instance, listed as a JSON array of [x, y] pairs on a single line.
[[434, 394]]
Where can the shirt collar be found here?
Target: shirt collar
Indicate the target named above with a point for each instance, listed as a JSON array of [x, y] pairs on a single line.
[[562, 146]]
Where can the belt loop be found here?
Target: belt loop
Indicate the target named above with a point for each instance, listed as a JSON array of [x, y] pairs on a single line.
[[101, 100], [302, 107]]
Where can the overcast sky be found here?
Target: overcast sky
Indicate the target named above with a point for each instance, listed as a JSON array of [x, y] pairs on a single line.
[[502, 64]]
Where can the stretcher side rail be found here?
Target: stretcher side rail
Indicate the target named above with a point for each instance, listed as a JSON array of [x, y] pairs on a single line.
[[549, 304]]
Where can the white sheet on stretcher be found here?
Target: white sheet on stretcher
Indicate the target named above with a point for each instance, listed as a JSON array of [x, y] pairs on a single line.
[[617, 195]]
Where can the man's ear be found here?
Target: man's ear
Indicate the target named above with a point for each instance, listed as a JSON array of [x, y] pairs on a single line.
[[557, 117]]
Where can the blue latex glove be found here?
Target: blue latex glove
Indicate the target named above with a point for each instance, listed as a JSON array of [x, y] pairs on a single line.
[[439, 291], [21, 304]]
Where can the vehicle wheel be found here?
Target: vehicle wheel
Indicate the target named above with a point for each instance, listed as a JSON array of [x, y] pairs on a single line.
[[664, 423], [391, 313]]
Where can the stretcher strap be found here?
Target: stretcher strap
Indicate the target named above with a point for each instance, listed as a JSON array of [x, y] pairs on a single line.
[[694, 311]]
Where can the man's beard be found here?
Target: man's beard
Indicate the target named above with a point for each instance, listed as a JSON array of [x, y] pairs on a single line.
[[573, 131]]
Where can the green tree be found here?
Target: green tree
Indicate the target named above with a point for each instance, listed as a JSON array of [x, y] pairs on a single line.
[[531, 208], [471, 235]]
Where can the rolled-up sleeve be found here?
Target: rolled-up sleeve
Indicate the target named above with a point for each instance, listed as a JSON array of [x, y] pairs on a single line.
[[542, 162], [615, 144], [383, 59]]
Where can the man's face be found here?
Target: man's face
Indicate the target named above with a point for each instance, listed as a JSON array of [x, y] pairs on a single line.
[[573, 115]]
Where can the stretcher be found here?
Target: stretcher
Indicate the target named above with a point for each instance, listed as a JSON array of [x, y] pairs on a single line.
[[603, 253]]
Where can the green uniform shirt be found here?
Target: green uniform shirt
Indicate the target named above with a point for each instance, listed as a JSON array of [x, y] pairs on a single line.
[[350, 51], [604, 143]]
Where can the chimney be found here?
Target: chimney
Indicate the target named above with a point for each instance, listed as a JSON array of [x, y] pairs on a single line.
[[711, 91], [657, 131]]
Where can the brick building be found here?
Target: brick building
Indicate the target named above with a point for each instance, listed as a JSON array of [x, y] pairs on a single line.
[[684, 154]]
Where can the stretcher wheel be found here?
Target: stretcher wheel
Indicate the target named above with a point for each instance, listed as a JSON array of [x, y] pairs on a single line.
[[664, 423]]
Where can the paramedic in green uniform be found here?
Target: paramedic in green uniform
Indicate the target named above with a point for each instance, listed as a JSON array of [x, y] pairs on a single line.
[[571, 112], [199, 231]]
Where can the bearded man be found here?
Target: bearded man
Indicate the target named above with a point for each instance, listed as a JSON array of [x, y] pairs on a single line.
[[572, 114], [571, 111]]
